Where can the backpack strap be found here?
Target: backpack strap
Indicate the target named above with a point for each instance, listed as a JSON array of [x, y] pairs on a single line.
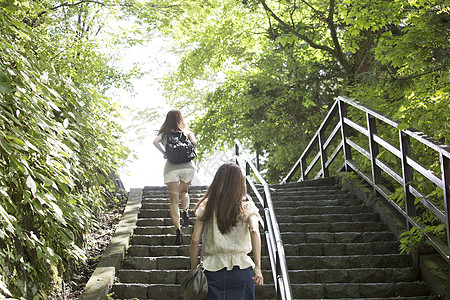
[[202, 251]]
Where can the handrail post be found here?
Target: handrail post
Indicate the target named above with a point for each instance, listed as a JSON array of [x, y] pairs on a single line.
[[277, 263], [247, 172], [445, 165], [405, 147], [303, 175], [374, 151], [323, 154], [344, 132]]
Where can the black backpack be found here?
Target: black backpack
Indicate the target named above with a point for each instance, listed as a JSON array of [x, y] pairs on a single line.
[[179, 148]]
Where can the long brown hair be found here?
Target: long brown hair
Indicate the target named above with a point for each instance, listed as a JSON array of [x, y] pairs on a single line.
[[174, 122], [224, 196]]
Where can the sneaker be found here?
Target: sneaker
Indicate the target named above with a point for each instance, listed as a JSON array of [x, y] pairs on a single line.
[[179, 238], [185, 216]]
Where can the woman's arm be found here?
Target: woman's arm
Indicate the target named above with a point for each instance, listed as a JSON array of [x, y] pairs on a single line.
[[253, 223], [191, 137], [157, 143], [195, 241]]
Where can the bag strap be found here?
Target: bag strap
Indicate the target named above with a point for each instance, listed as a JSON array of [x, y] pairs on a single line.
[[202, 251]]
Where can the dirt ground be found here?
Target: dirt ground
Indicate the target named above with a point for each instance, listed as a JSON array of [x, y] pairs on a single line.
[[97, 242]]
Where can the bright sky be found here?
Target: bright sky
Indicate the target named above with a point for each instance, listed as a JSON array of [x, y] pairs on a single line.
[[154, 59], [147, 169]]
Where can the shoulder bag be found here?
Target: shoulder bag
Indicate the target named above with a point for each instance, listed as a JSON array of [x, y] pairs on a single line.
[[195, 286]]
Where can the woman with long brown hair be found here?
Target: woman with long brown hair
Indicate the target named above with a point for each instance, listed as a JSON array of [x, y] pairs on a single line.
[[177, 176], [231, 222]]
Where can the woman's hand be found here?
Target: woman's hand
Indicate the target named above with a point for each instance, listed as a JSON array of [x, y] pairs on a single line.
[[258, 278]]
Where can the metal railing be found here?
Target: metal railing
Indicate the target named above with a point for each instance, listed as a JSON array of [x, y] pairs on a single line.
[[346, 129], [272, 233]]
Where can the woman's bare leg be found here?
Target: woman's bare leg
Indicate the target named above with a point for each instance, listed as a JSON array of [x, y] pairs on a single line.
[[184, 196], [174, 195]]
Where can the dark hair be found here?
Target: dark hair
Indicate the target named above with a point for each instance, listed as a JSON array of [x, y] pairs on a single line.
[[224, 196], [174, 122]]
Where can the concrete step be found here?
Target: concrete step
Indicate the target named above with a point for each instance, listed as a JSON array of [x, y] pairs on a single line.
[[335, 201], [348, 261], [336, 237], [157, 250], [341, 249], [155, 222], [317, 210], [360, 275], [158, 230], [165, 204], [399, 290], [170, 291], [293, 262], [159, 239], [327, 217], [173, 262], [287, 237], [333, 227], [308, 194], [175, 276], [359, 290]]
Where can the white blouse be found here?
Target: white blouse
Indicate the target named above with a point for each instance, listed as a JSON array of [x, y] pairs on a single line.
[[230, 249]]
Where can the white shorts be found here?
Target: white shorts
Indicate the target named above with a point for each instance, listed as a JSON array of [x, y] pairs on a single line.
[[185, 175]]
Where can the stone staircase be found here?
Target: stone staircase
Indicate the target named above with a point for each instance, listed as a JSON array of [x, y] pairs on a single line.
[[336, 248]]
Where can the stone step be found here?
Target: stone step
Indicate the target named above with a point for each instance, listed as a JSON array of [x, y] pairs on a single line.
[[399, 290], [277, 202], [165, 204], [156, 250], [157, 213], [332, 227], [155, 222], [335, 237], [341, 249], [287, 237], [157, 263], [158, 230], [362, 275], [327, 217], [174, 262], [348, 261], [293, 262], [316, 183], [165, 199], [317, 210], [306, 194], [170, 291], [359, 290], [175, 276], [159, 239]]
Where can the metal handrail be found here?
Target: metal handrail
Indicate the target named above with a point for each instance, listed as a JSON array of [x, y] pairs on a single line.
[[275, 244], [408, 164]]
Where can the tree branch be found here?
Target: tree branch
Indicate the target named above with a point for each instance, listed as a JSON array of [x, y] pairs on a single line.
[[337, 53], [319, 13], [65, 4], [294, 32]]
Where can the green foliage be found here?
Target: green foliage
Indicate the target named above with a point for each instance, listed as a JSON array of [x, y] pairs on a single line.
[[411, 239], [267, 71], [59, 141]]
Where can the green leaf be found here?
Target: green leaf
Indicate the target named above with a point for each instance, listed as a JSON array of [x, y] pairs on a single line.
[[31, 184], [6, 146], [5, 84], [403, 126], [101, 178]]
